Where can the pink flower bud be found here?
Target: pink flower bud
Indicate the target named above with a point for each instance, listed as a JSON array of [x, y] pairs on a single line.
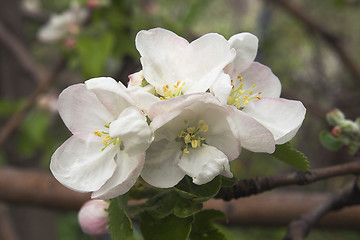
[[336, 131], [93, 217]]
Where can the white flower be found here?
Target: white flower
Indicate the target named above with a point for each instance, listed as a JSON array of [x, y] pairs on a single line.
[[60, 25], [254, 90], [195, 137], [175, 67], [105, 155], [93, 217]]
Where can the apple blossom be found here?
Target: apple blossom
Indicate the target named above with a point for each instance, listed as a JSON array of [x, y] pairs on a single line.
[[174, 67], [93, 217], [60, 25], [196, 137], [254, 90], [106, 153]]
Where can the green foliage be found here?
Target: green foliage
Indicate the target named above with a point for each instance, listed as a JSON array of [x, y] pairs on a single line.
[[120, 226], [93, 53], [34, 132], [188, 190], [170, 227], [329, 141], [203, 227], [291, 156]]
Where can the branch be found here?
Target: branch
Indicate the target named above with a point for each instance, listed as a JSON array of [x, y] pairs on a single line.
[[299, 228], [37, 188], [31, 187], [257, 185], [40, 76], [329, 37], [7, 230]]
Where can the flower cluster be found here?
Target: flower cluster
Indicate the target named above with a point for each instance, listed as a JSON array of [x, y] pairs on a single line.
[[189, 111]]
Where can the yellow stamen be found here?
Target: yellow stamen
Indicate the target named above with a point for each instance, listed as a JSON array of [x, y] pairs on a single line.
[[97, 133]]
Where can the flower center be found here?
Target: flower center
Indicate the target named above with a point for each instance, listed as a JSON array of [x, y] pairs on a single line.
[[107, 140], [190, 136], [239, 97], [174, 91]]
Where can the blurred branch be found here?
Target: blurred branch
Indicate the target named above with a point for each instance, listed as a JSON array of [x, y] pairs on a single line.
[[329, 37], [258, 185], [299, 228], [37, 188], [42, 77], [30, 187], [7, 230]]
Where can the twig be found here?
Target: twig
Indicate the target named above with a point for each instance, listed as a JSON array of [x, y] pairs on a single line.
[[40, 76], [257, 185], [330, 38], [299, 228]]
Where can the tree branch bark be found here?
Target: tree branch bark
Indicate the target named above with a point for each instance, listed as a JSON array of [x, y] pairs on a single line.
[[299, 228], [258, 185]]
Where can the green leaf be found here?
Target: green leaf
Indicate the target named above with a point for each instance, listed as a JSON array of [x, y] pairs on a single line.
[[187, 189], [203, 227], [170, 227], [93, 53], [329, 141], [161, 205], [120, 226], [291, 156], [186, 207], [228, 182]]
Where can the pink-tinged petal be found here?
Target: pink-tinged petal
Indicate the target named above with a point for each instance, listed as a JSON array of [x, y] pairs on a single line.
[[93, 217], [253, 136], [264, 78], [246, 45], [222, 132], [143, 99], [81, 110], [161, 164], [111, 94], [221, 88], [80, 165], [126, 173], [136, 79], [131, 127], [281, 116], [202, 62], [180, 102], [203, 164]]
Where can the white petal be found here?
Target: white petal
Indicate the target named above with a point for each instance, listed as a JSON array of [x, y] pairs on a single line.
[[203, 164], [126, 173], [160, 52], [222, 132], [281, 116], [136, 79], [111, 94], [143, 99], [161, 164], [202, 62], [246, 45], [131, 127], [264, 78], [82, 111], [253, 136], [79, 163], [221, 88], [180, 102]]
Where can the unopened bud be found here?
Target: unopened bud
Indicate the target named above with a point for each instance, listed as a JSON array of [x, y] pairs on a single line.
[[336, 131], [349, 127], [93, 217], [335, 117]]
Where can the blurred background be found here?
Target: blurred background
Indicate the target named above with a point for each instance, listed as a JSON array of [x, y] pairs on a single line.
[[45, 46]]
